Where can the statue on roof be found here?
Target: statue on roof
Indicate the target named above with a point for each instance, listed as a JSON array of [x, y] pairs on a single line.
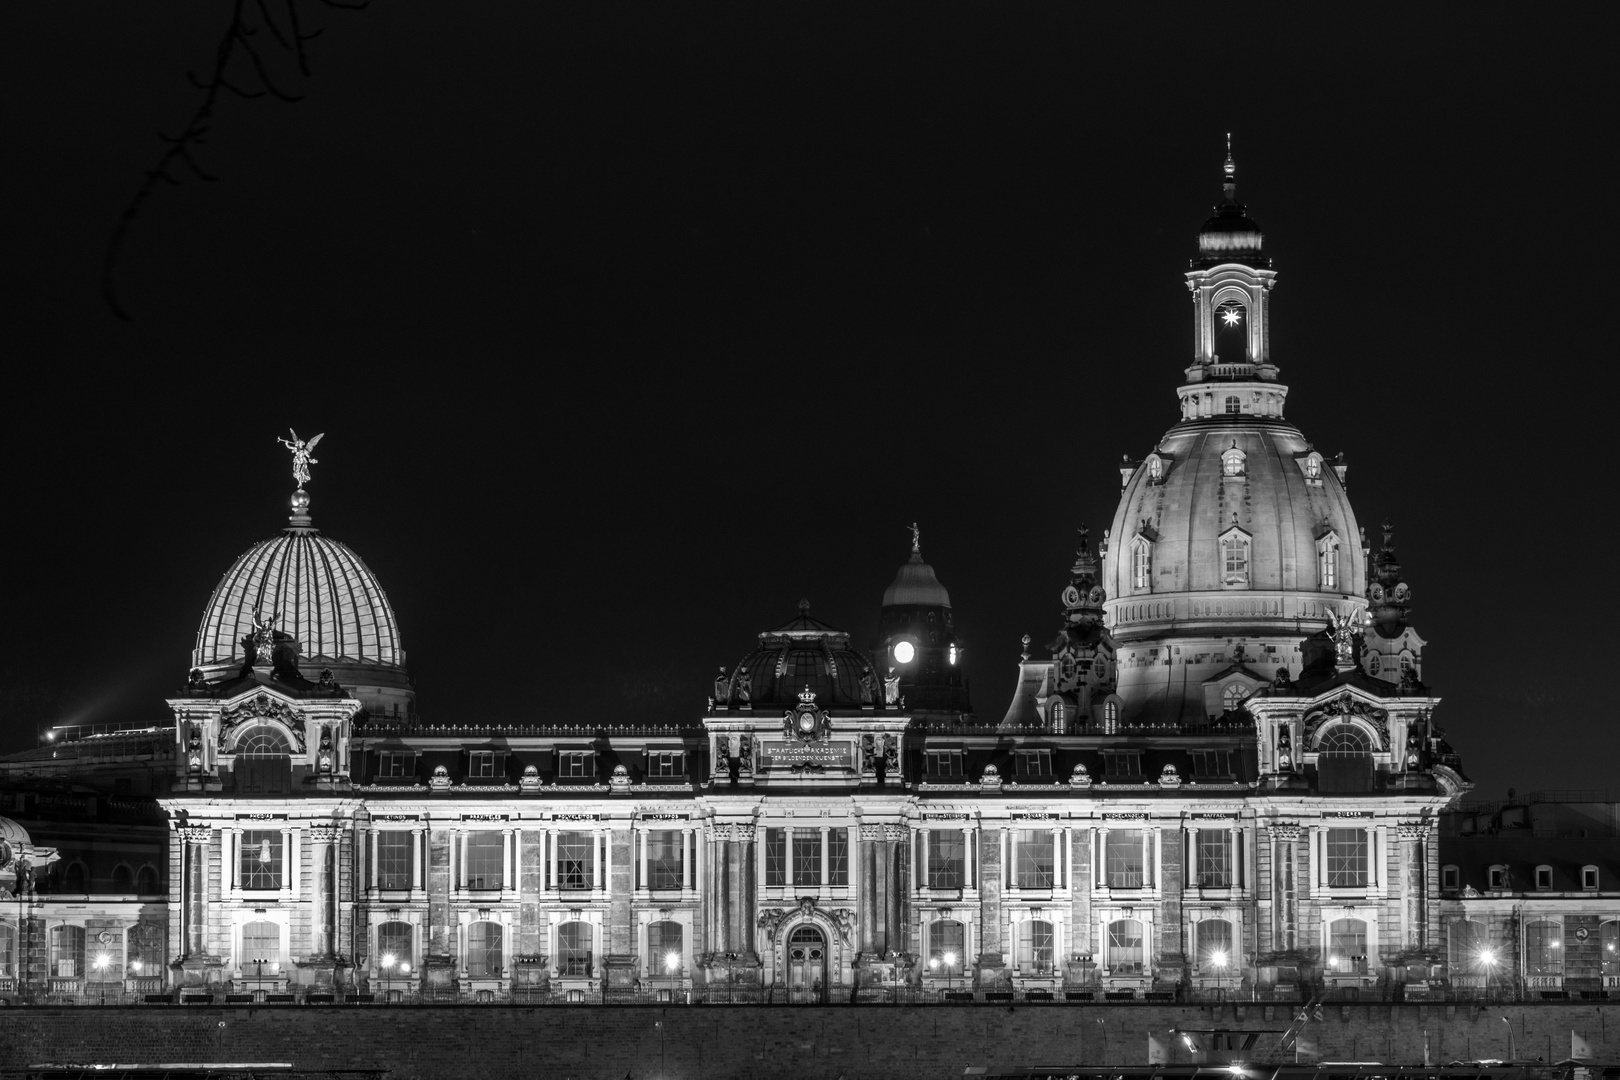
[[916, 538], [300, 452]]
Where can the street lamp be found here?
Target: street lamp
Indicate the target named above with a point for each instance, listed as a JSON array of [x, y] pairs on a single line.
[[101, 963], [950, 961], [258, 977], [1513, 1046], [1218, 960]]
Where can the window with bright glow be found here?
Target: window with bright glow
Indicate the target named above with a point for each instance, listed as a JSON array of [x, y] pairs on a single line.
[[393, 940], [1233, 696], [1313, 467], [1347, 858], [1233, 406], [1035, 947], [1124, 860], [394, 859], [1347, 946], [946, 850], [1465, 947], [260, 862], [665, 948], [1126, 955], [1232, 460], [485, 853], [146, 943], [1609, 948], [1110, 717], [1214, 945], [484, 958], [1327, 562], [1344, 739], [1033, 859], [946, 945], [1141, 566], [576, 860]]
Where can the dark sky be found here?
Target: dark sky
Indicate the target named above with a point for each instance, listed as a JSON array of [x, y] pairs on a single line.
[[629, 325]]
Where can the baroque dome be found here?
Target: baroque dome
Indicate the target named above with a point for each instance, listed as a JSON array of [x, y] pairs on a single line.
[[805, 653], [321, 594], [915, 584]]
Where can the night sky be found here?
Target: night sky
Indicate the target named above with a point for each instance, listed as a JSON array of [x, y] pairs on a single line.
[[630, 325]]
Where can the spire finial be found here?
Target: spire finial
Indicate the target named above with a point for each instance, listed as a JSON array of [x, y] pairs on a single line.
[[1230, 168], [916, 539], [301, 452]]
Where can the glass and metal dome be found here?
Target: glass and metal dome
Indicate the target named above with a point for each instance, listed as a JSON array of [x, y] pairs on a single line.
[[805, 653], [320, 593]]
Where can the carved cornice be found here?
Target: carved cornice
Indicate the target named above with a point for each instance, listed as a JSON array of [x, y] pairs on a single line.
[[261, 707], [194, 834], [326, 834], [732, 834], [1285, 831]]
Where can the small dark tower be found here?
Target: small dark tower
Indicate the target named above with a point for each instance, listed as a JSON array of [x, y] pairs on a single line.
[[917, 641]]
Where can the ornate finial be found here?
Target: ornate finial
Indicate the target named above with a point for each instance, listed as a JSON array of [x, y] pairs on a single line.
[[1230, 168], [1389, 535], [300, 452], [1085, 545], [916, 539], [804, 606], [1025, 640]]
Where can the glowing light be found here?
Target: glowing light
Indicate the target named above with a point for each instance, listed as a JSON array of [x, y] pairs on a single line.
[[904, 652], [1487, 957], [672, 962], [135, 966], [387, 960], [1218, 959], [1230, 316], [404, 967], [953, 653], [949, 958], [102, 960]]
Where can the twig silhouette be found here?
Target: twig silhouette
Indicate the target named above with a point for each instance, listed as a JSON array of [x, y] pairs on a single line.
[[246, 65]]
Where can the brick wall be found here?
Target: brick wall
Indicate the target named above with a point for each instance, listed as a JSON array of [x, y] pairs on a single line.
[[815, 1043]]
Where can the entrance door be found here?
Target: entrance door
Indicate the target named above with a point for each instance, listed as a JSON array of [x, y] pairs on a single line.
[[807, 966]]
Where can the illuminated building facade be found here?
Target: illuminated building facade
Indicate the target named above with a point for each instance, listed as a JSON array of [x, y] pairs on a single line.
[[1225, 777]]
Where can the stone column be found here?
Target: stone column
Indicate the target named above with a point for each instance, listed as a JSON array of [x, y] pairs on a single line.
[[993, 972], [1413, 885], [868, 896], [196, 840], [1172, 860], [323, 927], [1284, 887]]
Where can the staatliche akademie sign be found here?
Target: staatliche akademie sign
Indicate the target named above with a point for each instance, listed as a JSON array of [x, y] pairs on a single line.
[[786, 753]]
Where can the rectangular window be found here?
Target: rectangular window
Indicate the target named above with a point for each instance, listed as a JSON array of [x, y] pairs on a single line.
[[1544, 948], [485, 853], [664, 949], [1589, 878], [1498, 877], [945, 852], [481, 764], [1347, 858], [1212, 764], [1035, 941], [576, 860], [838, 857], [1543, 878], [1347, 946], [1448, 877], [1033, 859], [1122, 763], [8, 952], [261, 944], [664, 852], [1125, 952], [394, 765], [393, 946], [775, 857], [484, 950], [260, 863], [394, 859], [147, 943], [576, 764], [1214, 851], [944, 763], [1124, 859], [1140, 562], [1467, 943], [1033, 762], [574, 949], [666, 763], [806, 856]]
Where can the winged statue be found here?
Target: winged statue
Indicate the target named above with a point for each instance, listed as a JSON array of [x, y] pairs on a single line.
[[301, 451]]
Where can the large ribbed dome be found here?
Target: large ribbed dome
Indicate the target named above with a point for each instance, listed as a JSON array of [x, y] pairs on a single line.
[[916, 584], [804, 654], [323, 596]]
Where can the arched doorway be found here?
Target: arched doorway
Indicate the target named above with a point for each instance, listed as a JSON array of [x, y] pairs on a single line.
[[807, 966]]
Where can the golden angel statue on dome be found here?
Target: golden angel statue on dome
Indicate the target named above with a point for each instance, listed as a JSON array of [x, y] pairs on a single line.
[[300, 452]]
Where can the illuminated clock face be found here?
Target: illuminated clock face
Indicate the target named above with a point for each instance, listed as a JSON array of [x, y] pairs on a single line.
[[1071, 597], [904, 652]]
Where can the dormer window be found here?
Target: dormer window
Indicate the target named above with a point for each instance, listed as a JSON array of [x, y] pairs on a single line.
[[1232, 460], [1544, 878], [1234, 694], [480, 764], [1327, 562], [1448, 878], [944, 763], [1313, 467], [1589, 878], [1155, 469], [1141, 563], [1233, 405], [1497, 877], [1234, 551]]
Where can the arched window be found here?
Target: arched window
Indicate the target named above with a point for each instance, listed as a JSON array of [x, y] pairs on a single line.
[[1347, 946], [1110, 717], [574, 949], [262, 741], [67, 951], [1544, 949], [1216, 955], [145, 944], [1373, 664], [1233, 405], [1465, 948], [123, 879], [1235, 559], [484, 959], [394, 953], [947, 946], [1234, 694], [8, 952], [146, 881], [1232, 460], [1344, 739], [1126, 955], [1313, 467], [1141, 564], [261, 945], [263, 762], [1327, 562], [1035, 947], [665, 954]]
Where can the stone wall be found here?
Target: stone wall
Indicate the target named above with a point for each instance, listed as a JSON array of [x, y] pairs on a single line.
[[786, 1043]]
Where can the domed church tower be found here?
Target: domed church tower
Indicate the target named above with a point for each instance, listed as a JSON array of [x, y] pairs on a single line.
[[1234, 539], [917, 643]]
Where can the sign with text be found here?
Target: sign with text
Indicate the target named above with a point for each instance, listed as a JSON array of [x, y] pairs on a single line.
[[785, 754]]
